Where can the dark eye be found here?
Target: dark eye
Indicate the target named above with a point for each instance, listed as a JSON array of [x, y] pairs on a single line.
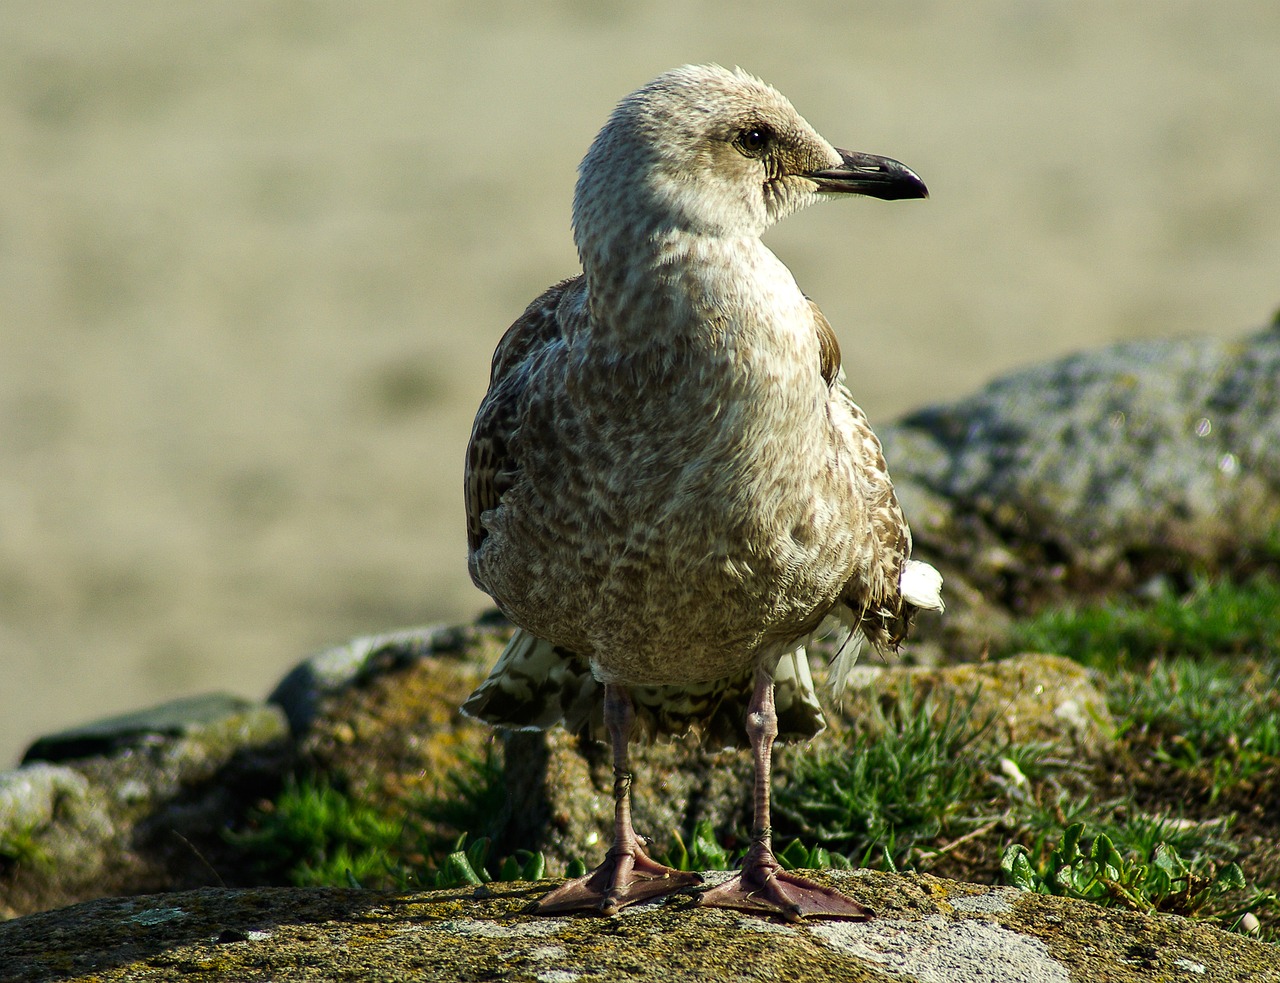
[[753, 140]]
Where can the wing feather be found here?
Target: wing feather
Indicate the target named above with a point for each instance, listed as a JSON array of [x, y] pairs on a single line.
[[873, 604], [491, 468]]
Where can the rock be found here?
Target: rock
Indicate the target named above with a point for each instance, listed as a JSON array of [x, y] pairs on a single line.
[[1095, 472], [380, 716], [208, 719], [30, 796], [334, 671], [137, 803], [927, 929], [1030, 699]]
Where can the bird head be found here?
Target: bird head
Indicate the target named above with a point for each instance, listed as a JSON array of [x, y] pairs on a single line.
[[712, 152]]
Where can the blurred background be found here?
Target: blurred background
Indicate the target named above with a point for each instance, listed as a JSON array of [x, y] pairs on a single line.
[[254, 258]]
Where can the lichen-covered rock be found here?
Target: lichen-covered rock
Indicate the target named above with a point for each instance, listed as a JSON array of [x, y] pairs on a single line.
[[380, 717], [141, 802], [1095, 472], [926, 929], [131, 803], [303, 691], [1029, 699]]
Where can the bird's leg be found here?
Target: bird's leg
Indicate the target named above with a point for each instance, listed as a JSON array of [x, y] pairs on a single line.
[[628, 874], [762, 885]]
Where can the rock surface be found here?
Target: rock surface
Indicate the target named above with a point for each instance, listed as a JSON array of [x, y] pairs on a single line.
[[133, 803], [927, 929]]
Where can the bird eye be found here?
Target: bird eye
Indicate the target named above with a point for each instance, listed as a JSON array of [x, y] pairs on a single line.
[[753, 140]]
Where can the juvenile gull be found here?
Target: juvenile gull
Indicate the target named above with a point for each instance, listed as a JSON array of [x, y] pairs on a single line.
[[668, 486]]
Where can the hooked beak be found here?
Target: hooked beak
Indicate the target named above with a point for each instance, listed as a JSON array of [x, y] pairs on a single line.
[[869, 174]]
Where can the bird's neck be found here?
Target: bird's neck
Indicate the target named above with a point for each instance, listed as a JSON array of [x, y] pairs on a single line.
[[673, 286]]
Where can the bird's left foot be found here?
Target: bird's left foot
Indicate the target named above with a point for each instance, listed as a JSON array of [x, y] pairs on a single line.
[[764, 887]]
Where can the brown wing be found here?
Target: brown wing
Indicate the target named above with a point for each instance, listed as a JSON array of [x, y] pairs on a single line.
[[872, 594], [490, 468], [828, 345]]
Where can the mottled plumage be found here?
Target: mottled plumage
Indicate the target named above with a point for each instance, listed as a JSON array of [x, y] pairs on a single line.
[[669, 487]]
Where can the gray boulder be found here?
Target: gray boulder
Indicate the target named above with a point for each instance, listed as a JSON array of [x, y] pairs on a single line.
[[1093, 473]]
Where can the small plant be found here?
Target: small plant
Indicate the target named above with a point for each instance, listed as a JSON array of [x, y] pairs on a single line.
[[703, 851], [1160, 880], [20, 847], [796, 855], [317, 835], [466, 865]]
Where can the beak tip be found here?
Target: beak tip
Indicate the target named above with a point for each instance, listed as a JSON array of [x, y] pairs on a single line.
[[871, 175]]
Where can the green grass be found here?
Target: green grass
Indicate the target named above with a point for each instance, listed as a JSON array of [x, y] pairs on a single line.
[[1191, 680], [884, 799], [315, 835], [1216, 618], [1217, 717]]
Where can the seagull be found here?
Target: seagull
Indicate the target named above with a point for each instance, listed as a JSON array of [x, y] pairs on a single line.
[[669, 488]]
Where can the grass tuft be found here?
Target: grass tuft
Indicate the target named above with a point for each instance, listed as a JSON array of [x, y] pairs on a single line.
[[1219, 718], [314, 835], [1216, 618], [917, 781]]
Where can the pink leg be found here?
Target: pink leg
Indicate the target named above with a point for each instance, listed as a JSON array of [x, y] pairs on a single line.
[[762, 885], [628, 874]]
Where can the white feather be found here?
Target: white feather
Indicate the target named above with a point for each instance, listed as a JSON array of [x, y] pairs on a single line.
[[921, 585]]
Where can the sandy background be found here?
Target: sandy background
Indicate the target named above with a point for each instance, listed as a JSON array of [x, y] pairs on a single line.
[[254, 258]]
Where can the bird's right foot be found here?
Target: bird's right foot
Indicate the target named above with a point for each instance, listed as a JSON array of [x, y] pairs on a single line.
[[763, 887], [626, 877]]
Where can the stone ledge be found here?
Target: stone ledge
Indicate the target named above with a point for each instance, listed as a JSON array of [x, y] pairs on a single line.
[[928, 929]]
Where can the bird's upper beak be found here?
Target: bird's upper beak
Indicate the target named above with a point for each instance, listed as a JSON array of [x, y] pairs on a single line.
[[868, 174]]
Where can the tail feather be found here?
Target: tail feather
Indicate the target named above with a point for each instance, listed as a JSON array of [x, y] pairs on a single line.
[[842, 665], [921, 585], [534, 685]]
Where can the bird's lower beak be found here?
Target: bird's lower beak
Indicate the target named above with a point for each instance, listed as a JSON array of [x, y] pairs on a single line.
[[868, 174]]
